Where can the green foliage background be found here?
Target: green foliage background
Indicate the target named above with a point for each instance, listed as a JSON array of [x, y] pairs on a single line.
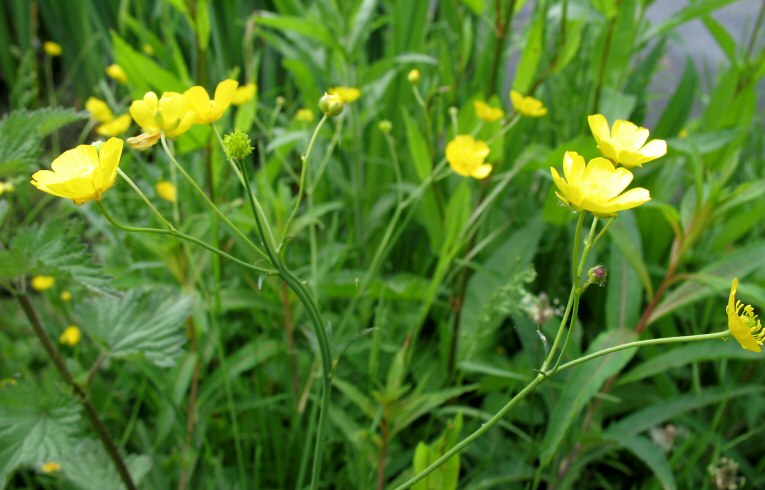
[[206, 374]]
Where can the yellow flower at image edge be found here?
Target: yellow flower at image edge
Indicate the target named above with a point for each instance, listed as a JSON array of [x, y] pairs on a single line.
[[527, 106], [71, 336], [82, 174], [467, 156], [488, 113], [596, 187], [209, 111], [43, 283], [625, 142], [744, 326], [50, 467]]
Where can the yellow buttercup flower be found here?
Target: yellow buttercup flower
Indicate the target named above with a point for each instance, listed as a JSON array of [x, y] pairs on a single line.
[[50, 467], [596, 187], [625, 142], [115, 127], [167, 191], [66, 296], [43, 283], [6, 187], [244, 94], [209, 111], [171, 115], [744, 326], [347, 94], [99, 109], [467, 156], [527, 106], [305, 115], [71, 336], [52, 49], [116, 72], [82, 174], [488, 113]]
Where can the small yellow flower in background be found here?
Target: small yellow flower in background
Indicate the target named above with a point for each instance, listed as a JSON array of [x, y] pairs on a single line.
[[744, 326], [625, 143], [52, 49], [488, 113], [148, 49], [683, 133], [7, 382], [71, 336], [82, 174], [43, 283], [99, 109], [116, 72], [413, 76], [171, 115], [208, 111], [244, 94], [116, 127], [527, 106], [167, 191], [66, 296], [6, 187], [467, 156], [347, 94], [50, 467], [597, 186], [305, 115]]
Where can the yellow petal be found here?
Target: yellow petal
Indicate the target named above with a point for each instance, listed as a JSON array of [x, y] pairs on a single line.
[[199, 100], [109, 156], [573, 167], [599, 127], [77, 162], [115, 127], [630, 135], [99, 109], [482, 172]]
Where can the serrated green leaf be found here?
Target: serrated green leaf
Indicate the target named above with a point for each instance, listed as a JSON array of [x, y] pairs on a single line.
[[87, 465], [35, 427], [144, 323]]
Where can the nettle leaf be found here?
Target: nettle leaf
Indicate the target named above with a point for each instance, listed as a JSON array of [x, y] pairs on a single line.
[[88, 466], [22, 133], [53, 249], [35, 427], [144, 323]]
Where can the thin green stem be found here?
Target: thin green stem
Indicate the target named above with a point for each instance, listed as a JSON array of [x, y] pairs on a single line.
[[145, 199]]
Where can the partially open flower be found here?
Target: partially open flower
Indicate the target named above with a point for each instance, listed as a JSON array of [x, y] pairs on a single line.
[[170, 115], [467, 156], [82, 174], [527, 106], [625, 142], [208, 111], [331, 104], [488, 113], [743, 323], [596, 187]]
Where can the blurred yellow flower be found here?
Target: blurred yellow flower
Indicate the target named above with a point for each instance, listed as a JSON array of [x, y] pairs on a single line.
[[305, 115], [244, 94], [52, 49], [488, 113], [115, 127], [527, 106], [683, 133], [347, 94], [413, 76], [208, 111], [148, 49], [116, 72], [50, 467], [745, 327], [171, 115], [71, 336], [167, 191], [43, 283], [6, 187], [66, 296], [596, 187], [82, 174], [99, 109], [625, 143], [467, 156]]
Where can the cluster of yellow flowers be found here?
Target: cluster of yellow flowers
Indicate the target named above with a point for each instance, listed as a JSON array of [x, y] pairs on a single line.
[[597, 187]]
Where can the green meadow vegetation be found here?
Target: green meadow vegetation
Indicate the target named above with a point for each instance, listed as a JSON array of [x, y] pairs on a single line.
[[381, 244]]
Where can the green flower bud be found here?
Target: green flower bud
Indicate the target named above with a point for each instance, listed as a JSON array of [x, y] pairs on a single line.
[[385, 126], [598, 275], [331, 104], [237, 145], [414, 76], [281, 101]]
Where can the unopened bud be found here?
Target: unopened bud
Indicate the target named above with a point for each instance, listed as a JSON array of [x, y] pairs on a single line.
[[281, 101], [414, 76], [385, 126], [331, 104], [598, 275], [237, 145]]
